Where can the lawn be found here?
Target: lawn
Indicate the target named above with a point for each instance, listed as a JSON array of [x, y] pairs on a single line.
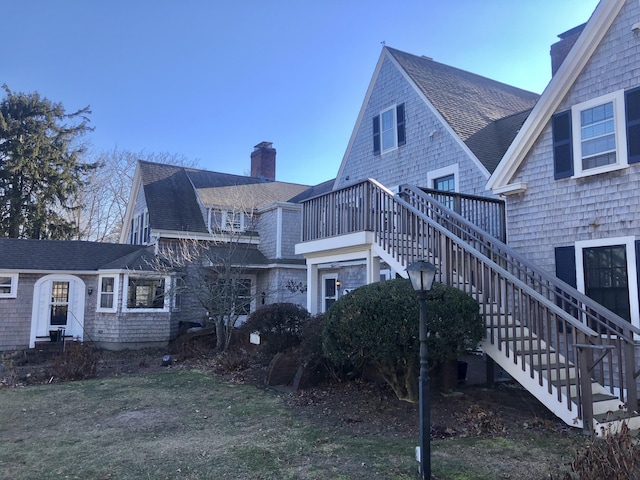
[[187, 424]]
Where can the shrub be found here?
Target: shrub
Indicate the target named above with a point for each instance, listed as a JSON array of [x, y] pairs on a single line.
[[78, 361], [377, 324], [278, 325], [615, 457]]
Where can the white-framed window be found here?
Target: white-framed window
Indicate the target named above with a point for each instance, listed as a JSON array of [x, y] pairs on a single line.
[[233, 221], [8, 285], [606, 272], [389, 129], [145, 293], [108, 286], [599, 135]]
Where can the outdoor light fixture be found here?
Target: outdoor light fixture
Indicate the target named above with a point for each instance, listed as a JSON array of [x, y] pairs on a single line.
[[422, 273]]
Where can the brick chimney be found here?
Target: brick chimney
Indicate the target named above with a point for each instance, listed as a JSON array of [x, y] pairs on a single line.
[[263, 161], [560, 50]]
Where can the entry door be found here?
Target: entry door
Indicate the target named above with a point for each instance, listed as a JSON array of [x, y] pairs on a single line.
[[329, 291], [59, 307]]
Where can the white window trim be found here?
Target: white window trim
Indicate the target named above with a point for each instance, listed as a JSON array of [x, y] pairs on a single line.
[[13, 290], [444, 172], [394, 129], [225, 223], [617, 98], [167, 299], [116, 288], [629, 243]]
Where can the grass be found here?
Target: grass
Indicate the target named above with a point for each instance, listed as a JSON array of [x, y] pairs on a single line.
[[188, 425]]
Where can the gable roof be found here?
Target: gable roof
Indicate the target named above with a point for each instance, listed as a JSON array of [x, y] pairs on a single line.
[[70, 255], [560, 84], [174, 194], [475, 107]]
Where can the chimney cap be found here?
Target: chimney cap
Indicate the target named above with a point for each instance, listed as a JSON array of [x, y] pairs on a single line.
[[263, 145]]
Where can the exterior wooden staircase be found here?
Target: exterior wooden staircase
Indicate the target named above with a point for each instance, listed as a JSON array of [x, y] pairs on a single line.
[[572, 354]]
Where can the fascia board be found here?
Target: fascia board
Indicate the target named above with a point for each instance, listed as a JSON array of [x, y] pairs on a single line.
[[554, 93], [135, 188], [356, 128]]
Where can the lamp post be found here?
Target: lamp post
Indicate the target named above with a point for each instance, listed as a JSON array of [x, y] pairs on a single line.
[[422, 273]]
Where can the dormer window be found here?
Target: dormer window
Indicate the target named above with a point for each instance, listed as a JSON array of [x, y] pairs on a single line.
[[389, 129], [233, 221]]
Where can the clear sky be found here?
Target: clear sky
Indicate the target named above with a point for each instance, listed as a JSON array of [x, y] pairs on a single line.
[[209, 79]]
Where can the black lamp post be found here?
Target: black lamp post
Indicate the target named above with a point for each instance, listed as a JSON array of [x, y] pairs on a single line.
[[422, 273]]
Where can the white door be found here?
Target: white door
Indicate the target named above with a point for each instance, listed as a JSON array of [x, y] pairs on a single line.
[[58, 302]]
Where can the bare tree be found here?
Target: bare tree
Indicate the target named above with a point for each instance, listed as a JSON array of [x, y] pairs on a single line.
[[103, 201], [213, 274]]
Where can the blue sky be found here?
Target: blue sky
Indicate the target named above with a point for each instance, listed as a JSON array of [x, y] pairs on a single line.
[[209, 79]]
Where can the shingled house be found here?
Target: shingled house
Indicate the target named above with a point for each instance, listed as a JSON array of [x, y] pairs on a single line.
[[128, 295], [561, 299], [421, 123]]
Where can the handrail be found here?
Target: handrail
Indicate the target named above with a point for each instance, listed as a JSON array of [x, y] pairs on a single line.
[[414, 225], [537, 278], [486, 213]]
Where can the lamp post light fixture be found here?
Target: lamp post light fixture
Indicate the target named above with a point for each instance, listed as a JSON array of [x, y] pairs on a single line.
[[422, 273]]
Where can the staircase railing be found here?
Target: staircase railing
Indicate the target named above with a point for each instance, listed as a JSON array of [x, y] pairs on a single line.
[[486, 213], [413, 225]]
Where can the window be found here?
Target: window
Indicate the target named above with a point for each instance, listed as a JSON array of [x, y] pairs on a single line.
[[600, 135], [140, 231], [444, 179], [144, 293], [107, 296], [233, 221], [389, 129], [59, 304], [8, 285], [243, 297]]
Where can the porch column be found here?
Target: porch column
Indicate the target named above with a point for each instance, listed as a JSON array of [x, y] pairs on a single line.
[[312, 288], [373, 268]]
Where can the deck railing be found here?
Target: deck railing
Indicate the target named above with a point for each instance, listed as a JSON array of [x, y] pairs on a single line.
[[486, 213], [571, 326]]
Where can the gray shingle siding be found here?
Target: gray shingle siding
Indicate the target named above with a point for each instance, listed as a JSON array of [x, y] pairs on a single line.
[[421, 153], [554, 213]]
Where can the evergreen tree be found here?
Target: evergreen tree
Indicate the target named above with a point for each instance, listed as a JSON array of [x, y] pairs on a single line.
[[41, 170]]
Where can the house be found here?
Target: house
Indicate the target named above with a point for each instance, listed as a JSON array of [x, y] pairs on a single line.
[[248, 226], [421, 123], [560, 300], [99, 292], [131, 295], [570, 177]]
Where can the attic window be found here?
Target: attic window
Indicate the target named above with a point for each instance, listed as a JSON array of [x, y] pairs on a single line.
[[233, 221], [389, 129]]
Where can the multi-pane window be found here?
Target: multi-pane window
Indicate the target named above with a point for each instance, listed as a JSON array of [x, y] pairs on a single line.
[[243, 297], [8, 285], [59, 303], [389, 129], [598, 136], [107, 292], [445, 184], [145, 292], [606, 278]]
